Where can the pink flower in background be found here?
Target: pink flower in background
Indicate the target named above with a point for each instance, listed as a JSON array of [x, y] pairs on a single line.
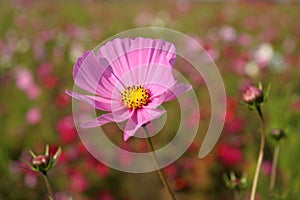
[[102, 170], [62, 100], [25, 82], [266, 168], [24, 79], [62, 196], [106, 196], [94, 165], [44, 70], [33, 92], [244, 39], [227, 33], [66, 129], [229, 155], [78, 182], [183, 6], [130, 79], [50, 81], [33, 116], [30, 180], [235, 125], [171, 171]]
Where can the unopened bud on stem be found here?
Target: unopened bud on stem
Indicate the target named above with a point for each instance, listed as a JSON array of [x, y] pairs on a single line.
[[253, 95]]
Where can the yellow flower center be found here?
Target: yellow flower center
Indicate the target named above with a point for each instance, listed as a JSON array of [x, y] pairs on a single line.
[[135, 96]]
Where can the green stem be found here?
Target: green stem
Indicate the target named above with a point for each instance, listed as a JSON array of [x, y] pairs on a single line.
[[260, 154], [50, 191], [274, 166], [160, 172], [237, 194]]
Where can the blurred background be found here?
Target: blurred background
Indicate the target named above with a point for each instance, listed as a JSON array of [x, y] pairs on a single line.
[[250, 41]]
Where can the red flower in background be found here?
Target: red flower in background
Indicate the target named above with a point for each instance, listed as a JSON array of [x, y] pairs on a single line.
[[66, 129], [62, 100], [50, 81], [229, 155], [106, 196]]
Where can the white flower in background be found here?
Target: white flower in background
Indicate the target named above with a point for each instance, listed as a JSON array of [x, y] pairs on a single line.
[[277, 63], [264, 54], [75, 51], [251, 69], [162, 18], [227, 33]]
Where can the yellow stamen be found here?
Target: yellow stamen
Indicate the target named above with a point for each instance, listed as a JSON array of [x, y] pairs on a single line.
[[135, 96]]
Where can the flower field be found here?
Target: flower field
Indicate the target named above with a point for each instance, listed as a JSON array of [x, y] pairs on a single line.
[[250, 43]]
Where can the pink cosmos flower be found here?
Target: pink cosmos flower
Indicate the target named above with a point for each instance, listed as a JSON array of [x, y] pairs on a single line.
[[33, 116], [229, 155], [266, 168], [66, 129], [24, 79], [33, 92], [30, 180], [129, 78], [79, 182]]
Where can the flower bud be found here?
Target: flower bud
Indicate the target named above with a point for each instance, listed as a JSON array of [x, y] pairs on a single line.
[[41, 161], [253, 95], [233, 182], [277, 133]]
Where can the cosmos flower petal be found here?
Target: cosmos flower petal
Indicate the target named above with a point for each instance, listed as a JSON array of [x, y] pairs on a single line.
[[176, 91], [139, 118], [92, 74], [109, 85], [130, 129], [160, 74], [160, 78], [126, 54], [117, 116], [99, 103], [156, 47], [155, 102], [87, 71], [146, 115]]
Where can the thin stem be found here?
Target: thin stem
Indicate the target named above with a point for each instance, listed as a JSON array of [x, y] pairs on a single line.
[[50, 192], [237, 194], [260, 154], [160, 172], [274, 166]]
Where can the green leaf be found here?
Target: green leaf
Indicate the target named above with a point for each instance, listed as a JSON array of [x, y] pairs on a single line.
[[32, 154], [267, 93], [31, 167], [260, 86], [47, 150], [56, 156]]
